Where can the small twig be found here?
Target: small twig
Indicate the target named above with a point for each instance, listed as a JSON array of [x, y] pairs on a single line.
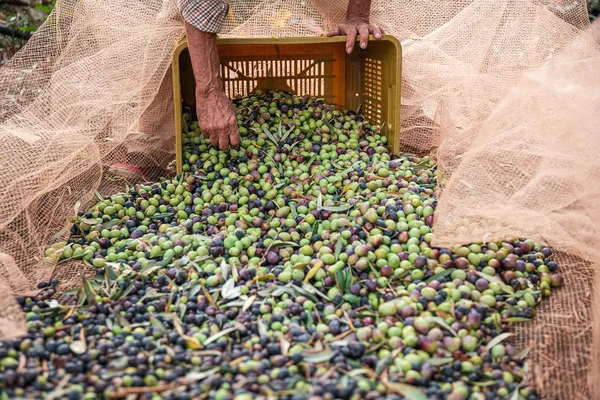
[[296, 194], [63, 328], [139, 390]]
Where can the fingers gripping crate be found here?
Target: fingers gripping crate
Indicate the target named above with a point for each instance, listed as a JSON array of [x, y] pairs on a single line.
[[367, 80]]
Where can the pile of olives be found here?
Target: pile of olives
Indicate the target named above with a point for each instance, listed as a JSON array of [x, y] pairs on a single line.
[[296, 266]]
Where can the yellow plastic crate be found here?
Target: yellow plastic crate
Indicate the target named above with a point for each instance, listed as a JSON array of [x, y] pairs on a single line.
[[367, 80]]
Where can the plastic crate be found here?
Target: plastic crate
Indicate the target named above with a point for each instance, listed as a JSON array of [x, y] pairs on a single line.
[[367, 80]]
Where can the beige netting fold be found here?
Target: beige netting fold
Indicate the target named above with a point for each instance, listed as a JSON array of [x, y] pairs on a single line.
[[70, 102], [503, 92]]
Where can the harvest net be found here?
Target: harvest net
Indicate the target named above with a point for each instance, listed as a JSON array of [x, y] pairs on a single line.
[[503, 93]]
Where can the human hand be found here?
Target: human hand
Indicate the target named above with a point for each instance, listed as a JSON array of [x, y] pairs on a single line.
[[357, 23], [216, 118], [352, 28]]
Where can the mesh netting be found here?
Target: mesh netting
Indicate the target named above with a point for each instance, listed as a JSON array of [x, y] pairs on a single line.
[[503, 92]]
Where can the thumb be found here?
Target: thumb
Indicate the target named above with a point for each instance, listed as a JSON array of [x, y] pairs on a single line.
[[223, 140], [234, 137]]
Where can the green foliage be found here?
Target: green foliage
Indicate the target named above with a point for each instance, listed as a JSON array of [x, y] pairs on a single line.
[[22, 22], [594, 8]]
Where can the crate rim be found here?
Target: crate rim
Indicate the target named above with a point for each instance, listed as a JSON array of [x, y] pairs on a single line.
[[182, 44]]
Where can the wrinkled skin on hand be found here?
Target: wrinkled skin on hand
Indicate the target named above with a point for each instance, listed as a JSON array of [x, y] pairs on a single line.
[[357, 23], [216, 117], [353, 28]]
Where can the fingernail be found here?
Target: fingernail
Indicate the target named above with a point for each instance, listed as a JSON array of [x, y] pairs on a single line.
[[363, 45], [378, 35], [349, 50]]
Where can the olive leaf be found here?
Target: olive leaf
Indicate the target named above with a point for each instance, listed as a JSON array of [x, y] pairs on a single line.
[[443, 324], [71, 292], [81, 297], [285, 136], [436, 362], [341, 280], [408, 391], [316, 358], [248, 303], [383, 364], [90, 293], [522, 293], [521, 354], [277, 134], [304, 293], [216, 336], [234, 273], [516, 395], [357, 372], [313, 271], [91, 221], [294, 212], [338, 247], [224, 269], [485, 384], [348, 278], [157, 323], [336, 165], [120, 319], [285, 345], [295, 144], [268, 133], [340, 343], [233, 304], [198, 376], [281, 290], [311, 289], [265, 277], [498, 339], [149, 269], [202, 238], [350, 168], [191, 342], [182, 309], [76, 206], [112, 223], [359, 108], [320, 201], [110, 273], [194, 290], [337, 209], [262, 330], [229, 291], [512, 309], [496, 280], [78, 347], [278, 244], [292, 386], [440, 275], [518, 319]]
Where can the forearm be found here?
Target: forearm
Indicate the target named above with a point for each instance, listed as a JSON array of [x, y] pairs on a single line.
[[204, 55], [358, 10]]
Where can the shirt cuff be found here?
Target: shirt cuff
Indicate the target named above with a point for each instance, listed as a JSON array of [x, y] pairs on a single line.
[[205, 15]]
